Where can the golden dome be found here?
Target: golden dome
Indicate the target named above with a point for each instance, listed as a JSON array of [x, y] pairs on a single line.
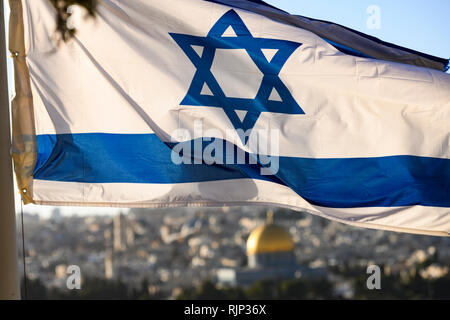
[[269, 238]]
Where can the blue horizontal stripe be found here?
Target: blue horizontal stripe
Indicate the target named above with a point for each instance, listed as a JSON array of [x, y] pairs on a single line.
[[347, 50], [344, 183]]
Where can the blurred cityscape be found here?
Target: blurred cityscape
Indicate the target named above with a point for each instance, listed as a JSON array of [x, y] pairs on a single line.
[[203, 253]]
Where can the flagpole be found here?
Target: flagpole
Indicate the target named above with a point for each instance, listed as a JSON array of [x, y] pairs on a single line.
[[9, 275]]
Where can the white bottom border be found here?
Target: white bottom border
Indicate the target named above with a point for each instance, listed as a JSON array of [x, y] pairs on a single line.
[[237, 192]]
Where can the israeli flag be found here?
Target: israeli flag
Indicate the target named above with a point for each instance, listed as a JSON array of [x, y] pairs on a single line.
[[221, 103]]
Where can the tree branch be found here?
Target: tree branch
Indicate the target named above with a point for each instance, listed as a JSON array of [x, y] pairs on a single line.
[[63, 15]]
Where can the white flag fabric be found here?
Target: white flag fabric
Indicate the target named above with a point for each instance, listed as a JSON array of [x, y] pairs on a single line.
[[210, 103]]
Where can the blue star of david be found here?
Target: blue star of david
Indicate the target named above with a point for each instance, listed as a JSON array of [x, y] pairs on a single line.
[[253, 46]]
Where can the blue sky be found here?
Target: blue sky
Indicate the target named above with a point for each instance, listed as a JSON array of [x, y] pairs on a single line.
[[421, 25]]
